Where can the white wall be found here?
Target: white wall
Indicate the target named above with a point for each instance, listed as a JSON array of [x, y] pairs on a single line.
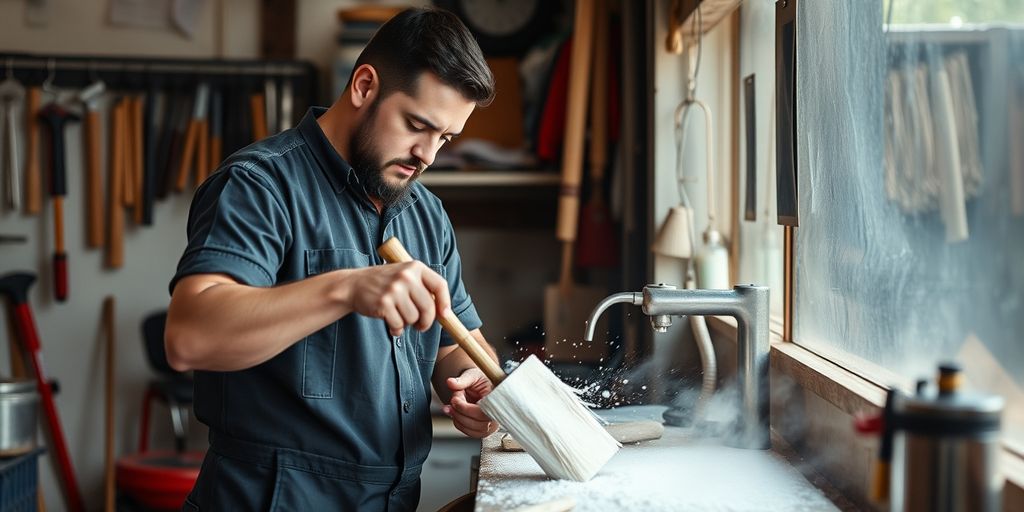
[[70, 332], [670, 73]]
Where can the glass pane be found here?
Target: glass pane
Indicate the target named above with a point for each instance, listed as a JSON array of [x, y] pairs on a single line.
[[910, 248], [760, 238]]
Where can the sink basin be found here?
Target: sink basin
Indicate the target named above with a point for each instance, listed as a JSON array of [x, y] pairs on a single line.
[[680, 471]]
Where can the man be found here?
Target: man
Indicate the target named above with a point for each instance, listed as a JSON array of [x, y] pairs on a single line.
[[315, 357]]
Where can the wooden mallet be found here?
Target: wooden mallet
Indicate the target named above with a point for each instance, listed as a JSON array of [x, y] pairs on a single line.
[[547, 419]]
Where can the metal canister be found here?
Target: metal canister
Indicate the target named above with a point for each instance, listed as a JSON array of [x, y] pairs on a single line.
[[19, 416], [947, 441]]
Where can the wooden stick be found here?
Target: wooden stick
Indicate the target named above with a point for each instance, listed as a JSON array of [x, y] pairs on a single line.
[[138, 164], [93, 180], [33, 180], [393, 251], [259, 116], [127, 154], [186, 156], [575, 120], [110, 328], [115, 184], [202, 153]]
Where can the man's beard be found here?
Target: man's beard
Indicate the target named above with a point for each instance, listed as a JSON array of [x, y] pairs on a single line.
[[365, 161]]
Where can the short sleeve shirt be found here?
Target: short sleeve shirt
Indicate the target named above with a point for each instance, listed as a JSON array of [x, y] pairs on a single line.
[[288, 208]]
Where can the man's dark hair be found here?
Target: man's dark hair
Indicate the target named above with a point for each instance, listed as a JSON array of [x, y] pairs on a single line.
[[426, 39]]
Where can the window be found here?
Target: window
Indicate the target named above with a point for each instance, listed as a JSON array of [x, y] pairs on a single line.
[[910, 249]]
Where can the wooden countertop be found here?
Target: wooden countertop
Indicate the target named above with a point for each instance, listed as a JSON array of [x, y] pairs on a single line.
[[677, 472]]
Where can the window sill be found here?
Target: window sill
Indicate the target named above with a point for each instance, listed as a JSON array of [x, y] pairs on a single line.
[[851, 393]]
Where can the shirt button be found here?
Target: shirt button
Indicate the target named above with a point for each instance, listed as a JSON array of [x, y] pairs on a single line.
[[398, 341], [406, 406]]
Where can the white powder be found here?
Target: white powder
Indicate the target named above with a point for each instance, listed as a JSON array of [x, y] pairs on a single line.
[[673, 473]]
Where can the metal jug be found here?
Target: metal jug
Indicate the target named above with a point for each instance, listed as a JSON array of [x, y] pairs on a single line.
[[946, 446]]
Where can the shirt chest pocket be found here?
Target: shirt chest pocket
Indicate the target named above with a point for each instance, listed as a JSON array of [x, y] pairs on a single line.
[[320, 348], [426, 343]]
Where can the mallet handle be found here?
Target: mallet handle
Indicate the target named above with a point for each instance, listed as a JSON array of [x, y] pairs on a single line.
[[394, 252]]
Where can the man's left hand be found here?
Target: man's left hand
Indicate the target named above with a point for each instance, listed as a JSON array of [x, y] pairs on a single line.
[[467, 389]]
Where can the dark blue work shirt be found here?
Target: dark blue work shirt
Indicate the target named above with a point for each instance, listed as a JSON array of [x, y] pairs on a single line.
[[287, 208]]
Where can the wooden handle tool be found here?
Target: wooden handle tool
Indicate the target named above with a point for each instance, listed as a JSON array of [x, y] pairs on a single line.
[[138, 164], [55, 120], [115, 187], [33, 179], [257, 107], [572, 151], [393, 251], [193, 136], [110, 328], [90, 97]]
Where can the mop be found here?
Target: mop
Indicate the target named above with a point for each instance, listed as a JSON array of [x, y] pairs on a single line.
[[547, 419]]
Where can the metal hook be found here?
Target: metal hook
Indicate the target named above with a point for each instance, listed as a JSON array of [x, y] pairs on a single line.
[[51, 66]]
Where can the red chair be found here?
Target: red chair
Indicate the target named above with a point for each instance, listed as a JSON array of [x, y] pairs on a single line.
[[160, 480]]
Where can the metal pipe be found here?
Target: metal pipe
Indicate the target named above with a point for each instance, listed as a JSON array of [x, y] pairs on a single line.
[[634, 298], [748, 304]]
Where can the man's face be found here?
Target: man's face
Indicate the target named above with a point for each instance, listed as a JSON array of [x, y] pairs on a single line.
[[401, 134]]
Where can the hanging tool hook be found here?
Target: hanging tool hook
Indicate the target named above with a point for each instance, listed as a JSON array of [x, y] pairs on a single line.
[[51, 68]]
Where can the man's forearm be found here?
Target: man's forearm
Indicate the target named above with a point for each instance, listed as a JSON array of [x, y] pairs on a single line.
[[229, 326]]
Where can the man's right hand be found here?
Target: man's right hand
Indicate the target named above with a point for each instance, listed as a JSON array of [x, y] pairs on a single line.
[[401, 294]]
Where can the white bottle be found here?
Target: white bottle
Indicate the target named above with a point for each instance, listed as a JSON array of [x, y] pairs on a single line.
[[713, 262]]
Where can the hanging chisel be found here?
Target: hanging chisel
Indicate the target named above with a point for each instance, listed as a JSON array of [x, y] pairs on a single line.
[[11, 93], [33, 187], [90, 97], [153, 118], [192, 135], [216, 129]]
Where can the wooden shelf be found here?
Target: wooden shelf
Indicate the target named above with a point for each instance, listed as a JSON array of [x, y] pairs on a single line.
[[488, 178], [711, 13]]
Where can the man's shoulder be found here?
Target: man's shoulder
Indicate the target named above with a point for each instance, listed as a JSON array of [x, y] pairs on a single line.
[[270, 158]]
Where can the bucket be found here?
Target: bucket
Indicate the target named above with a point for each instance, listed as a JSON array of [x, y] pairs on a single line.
[[19, 416]]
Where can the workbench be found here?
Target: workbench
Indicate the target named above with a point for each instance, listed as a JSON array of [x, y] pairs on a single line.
[[680, 471]]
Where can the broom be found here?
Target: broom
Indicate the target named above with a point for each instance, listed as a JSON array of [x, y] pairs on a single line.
[[547, 419]]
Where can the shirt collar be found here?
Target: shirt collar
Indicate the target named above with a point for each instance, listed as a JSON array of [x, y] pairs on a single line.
[[337, 170]]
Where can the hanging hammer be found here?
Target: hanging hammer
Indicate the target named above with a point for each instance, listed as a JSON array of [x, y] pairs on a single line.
[[55, 119]]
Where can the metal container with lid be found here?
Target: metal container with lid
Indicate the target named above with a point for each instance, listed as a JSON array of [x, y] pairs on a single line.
[[19, 416], [947, 441]]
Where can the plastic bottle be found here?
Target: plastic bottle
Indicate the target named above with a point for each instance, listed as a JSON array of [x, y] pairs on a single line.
[[713, 262]]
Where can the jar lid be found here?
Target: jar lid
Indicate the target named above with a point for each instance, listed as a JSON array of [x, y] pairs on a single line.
[[957, 413], [14, 386]]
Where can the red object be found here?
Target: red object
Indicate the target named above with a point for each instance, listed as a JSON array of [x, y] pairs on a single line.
[[159, 480], [26, 327], [596, 244], [869, 424], [60, 275], [551, 133]]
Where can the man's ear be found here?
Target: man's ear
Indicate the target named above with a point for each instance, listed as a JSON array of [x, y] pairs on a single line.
[[365, 86]]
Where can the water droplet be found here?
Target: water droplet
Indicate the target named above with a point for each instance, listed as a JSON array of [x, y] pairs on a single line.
[[643, 387], [625, 381]]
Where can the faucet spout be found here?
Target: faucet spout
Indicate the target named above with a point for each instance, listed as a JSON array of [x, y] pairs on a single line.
[[749, 305], [634, 298]]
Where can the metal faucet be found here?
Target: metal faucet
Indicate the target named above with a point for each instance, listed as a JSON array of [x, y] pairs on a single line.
[[748, 304]]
